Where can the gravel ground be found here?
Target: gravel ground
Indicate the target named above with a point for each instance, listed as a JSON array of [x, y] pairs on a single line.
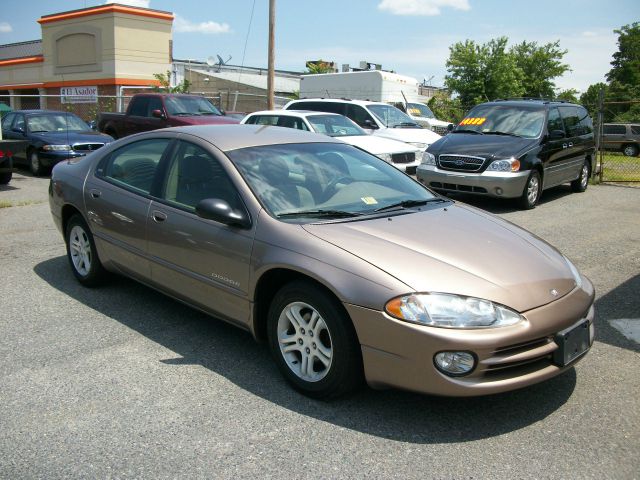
[[123, 382]]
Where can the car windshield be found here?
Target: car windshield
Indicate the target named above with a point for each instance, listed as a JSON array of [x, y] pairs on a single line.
[[335, 126], [419, 110], [520, 121], [392, 117], [300, 182], [183, 105], [55, 122]]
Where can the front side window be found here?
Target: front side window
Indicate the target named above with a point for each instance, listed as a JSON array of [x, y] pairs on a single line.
[[134, 165], [194, 175], [515, 120], [19, 123], [140, 107], [359, 115], [7, 121], [392, 117], [299, 181]]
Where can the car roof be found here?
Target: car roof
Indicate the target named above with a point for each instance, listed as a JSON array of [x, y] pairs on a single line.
[[34, 110], [294, 113], [233, 137], [523, 102], [338, 100]]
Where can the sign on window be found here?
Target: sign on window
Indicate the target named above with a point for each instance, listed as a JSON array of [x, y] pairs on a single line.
[[79, 94]]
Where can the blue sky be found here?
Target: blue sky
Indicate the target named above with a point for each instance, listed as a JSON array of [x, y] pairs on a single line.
[[411, 37]]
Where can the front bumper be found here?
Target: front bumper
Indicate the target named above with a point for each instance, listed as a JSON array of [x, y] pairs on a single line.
[[401, 354], [50, 158], [408, 168], [493, 184]]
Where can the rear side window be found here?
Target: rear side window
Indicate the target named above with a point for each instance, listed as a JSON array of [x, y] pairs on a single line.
[[586, 125], [614, 129], [135, 164], [331, 107], [571, 120], [554, 122], [635, 129]]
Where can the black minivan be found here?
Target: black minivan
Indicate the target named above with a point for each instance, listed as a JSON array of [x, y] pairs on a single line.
[[513, 149]]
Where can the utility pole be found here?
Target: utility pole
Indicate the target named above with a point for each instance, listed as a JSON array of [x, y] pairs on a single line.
[[271, 56]]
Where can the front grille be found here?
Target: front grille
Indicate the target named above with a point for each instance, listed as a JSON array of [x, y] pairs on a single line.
[[87, 147], [457, 188], [411, 170], [403, 157], [519, 359], [440, 130], [460, 163]]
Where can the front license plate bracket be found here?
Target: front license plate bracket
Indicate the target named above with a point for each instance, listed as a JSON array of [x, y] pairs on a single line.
[[572, 343]]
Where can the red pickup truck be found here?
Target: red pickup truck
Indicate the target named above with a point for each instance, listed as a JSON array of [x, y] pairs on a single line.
[[150, 111]]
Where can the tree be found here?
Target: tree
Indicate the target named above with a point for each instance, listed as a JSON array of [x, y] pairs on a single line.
[[446, 108], [568, 95], [626, 61], [319, 66], [589, 99], [478, 73], [539, 65], [165, 84]]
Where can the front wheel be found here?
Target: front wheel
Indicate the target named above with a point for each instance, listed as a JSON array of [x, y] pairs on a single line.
[[313, 341], [582, 182], [35, 165], [82, 253], [5, 177], [531, 192]]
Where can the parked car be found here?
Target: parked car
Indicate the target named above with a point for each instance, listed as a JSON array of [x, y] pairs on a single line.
[[151, 111], [623, 137], [422, 114], [348, 271], [513, 149], [50, 137], [7, 149], [401, 155], [377, 118]]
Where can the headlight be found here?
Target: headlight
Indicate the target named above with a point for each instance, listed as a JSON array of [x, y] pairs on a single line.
[[56, 148], [421, 146], [385, 156], [574, 272], [507, 165], [428, 158], [451, 311]]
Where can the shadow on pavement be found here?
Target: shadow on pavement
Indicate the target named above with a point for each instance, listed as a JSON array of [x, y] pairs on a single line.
[[232, 353], [621, 302]]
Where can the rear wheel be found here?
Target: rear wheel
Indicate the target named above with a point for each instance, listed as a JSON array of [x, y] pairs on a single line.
[[582, 182], [82, 253], [313, 341], [532, 190], [630, 150]]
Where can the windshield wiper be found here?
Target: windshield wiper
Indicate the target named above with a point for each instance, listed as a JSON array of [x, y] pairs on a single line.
[[406, 124], [410, 203], [497, 132], [40, 131], [319, 213], [177, 114], [464, 130]]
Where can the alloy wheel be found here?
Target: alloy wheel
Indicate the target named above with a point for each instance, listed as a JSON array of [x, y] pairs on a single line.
[[80, 250]]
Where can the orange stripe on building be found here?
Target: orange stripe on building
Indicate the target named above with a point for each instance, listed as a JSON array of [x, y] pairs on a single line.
[[134, 82], [19, 61], [106, 9]]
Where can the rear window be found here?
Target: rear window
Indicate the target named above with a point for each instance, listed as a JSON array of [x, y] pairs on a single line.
[[635, 129]]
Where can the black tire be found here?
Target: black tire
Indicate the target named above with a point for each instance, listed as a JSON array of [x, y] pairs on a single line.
[[532, 190], [344, 372], [5, 177], [582, 182], [35, 165], [82, 253], [630, 150]]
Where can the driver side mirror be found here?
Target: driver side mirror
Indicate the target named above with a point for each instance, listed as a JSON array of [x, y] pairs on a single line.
[[18, 129], [158, 114], [370, 124], [220, 211], [450, 127]]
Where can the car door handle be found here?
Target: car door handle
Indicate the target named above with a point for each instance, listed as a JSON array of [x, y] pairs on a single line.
[[158, 216], [571, 144], [564, 145], [95, 193]]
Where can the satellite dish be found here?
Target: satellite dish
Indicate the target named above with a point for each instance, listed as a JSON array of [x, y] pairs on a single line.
[[211, 61]]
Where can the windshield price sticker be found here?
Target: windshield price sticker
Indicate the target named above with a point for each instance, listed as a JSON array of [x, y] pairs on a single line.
[[414, 111], [473, 121], [369, 200]]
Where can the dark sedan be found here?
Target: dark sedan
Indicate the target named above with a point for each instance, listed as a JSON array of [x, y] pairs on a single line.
[[51, 136]]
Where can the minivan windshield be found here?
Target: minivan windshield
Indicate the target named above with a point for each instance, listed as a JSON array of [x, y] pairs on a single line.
[[420, 110], [515, 120], [304, 182], [392, 117]]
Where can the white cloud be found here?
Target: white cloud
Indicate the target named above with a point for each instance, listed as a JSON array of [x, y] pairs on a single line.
[[181, 24], [5, 27], [421, 7], [132, 3]]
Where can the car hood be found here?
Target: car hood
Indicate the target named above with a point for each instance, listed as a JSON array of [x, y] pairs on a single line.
[[460, 250], [378, 145], [487, 146], [408, 135], [71, 137]]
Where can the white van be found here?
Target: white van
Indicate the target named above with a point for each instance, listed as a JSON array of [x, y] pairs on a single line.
[[377, 118], [422, 114]]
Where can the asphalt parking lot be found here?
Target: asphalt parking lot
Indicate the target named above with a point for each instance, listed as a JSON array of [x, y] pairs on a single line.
[[123, 382]]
